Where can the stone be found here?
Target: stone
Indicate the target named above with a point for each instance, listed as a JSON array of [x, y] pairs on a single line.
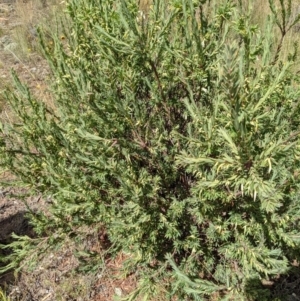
[[118, 291]]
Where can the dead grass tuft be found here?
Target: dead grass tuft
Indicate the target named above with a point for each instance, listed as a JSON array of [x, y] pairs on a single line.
[[32, 15]]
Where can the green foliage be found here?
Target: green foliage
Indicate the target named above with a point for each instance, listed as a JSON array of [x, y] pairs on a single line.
[[3, 296], [24, 252], [177, 130]]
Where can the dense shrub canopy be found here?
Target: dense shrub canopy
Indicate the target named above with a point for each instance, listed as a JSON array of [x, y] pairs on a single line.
[[176, 127]]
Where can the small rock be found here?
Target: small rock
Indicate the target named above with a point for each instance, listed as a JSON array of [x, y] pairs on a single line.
[[11, 46], [4, 41], [118, 291]]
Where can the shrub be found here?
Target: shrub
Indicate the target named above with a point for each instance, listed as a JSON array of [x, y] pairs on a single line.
[[176, 127]]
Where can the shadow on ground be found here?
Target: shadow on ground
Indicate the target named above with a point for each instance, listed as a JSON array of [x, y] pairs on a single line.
[[283, 288]]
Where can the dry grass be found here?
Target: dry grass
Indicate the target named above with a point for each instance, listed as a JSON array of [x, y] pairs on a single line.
[[31, 67], [32, 15], [24, 53], [260, 10]]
